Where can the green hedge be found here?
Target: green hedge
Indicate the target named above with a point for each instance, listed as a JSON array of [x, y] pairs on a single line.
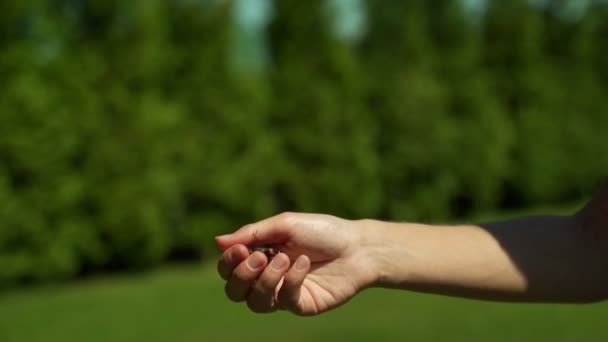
[[127, 137]]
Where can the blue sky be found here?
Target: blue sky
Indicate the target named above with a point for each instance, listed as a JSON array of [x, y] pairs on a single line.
[[254, 14]]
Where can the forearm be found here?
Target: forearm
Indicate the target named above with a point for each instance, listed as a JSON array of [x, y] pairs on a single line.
[[547, 258]]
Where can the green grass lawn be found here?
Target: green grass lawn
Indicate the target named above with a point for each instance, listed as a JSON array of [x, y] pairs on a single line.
[[187, 303]]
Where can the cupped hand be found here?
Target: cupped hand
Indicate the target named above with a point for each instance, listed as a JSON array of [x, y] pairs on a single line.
[[319, 268]]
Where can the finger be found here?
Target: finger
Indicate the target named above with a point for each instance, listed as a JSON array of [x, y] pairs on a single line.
[[289, 295], [276, 229], [262, 296], [244, 275], [230, 259]]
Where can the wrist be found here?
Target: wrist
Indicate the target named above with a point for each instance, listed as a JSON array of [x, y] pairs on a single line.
[[385, 252]]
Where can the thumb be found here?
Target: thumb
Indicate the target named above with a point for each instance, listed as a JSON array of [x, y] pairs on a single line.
[[270, 231]]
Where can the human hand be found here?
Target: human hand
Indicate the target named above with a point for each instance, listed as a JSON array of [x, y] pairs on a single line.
[[320, 267]]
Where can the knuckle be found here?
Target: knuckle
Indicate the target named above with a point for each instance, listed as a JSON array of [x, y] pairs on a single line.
[[221, 270], [289, 282], [265, 285], [231, 294], [234, 255], [224, 269], [254, 305], [248, 228], [284, 215], [226, 256], [286, 218], [229, 253], [238, 274], [293, 279], [289, 304]]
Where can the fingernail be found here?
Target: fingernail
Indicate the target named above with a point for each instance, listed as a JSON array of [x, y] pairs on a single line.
[[219, 237], [278, 263], [301, 264], [255, 262]]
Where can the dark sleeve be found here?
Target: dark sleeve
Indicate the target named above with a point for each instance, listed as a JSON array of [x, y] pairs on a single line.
[[594, 216]]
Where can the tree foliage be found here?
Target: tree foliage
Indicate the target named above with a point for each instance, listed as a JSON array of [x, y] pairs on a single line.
[[127, 137]]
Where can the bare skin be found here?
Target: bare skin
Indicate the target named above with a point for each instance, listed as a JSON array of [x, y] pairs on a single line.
[[325, 260]]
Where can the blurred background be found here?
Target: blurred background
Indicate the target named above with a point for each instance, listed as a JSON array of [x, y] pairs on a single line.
[[132, 132]]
